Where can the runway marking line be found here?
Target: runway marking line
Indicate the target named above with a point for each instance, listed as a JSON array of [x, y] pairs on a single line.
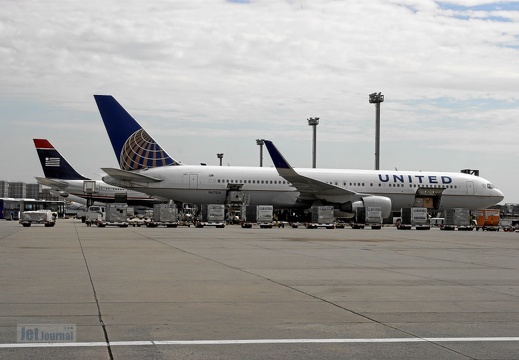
[[253, 341]]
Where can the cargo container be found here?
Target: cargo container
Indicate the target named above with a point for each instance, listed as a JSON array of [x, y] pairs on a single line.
[[115, 214], [321, 216], [415, 216], [487, 219], [212, 215], [263, 215], [458, 218], [370, 216], [437, 221], [374, 217], [163, 215], [359, 218], [44, 217]]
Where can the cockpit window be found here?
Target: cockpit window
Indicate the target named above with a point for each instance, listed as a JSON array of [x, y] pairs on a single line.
[[490, 186]]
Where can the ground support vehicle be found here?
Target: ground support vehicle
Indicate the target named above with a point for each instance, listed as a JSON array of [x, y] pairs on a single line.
[[359, 219], [136, 221], [404, 223], [488, 219], [263, 215], [507, 225], [414, 216], [322, 216], [339, 224], [436, 221], [367, 216], [109, 215], [212, 215], [164, 215], [420, 218], [374, 217], [458, 218], [45, 217]]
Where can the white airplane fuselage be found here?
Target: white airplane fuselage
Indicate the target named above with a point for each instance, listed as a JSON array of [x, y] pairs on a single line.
[[73, 189], [210, 185]]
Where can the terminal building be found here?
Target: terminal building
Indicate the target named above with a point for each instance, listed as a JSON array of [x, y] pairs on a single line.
[[19, 196], [4, 189]]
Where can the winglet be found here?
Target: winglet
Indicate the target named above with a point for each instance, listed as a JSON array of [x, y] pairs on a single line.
[[133, 146], [278, 159]]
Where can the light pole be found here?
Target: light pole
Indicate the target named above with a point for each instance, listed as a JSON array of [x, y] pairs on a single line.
[[220, 156], [261, 142], [377, 99], [314, 122]]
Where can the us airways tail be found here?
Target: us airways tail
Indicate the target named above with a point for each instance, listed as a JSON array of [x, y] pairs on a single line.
[[134, 148], [53, 164], [61, 177]]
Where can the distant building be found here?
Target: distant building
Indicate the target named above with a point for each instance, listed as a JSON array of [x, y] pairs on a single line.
[[4, 189], [17, 190], [32, 191], [45, 194]]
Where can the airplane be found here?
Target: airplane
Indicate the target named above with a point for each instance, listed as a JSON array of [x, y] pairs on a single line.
[[283, 187], [67, 182]]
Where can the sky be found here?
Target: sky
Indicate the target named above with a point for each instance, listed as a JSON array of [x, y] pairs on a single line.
[[212, 76]]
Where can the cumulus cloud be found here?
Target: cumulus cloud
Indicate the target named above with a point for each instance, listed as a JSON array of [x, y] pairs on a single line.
[[257, 66]]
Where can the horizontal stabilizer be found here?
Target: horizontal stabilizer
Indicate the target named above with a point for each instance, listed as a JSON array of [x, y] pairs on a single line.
[[55, 184], [124, 175]]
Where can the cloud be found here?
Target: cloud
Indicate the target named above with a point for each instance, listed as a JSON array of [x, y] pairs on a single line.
[[206, 68]]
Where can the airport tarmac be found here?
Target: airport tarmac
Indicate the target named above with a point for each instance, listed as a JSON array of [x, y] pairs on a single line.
[[233, 293]]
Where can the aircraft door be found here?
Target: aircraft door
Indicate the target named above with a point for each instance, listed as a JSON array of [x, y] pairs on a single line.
[[193, 181], [470, 188]]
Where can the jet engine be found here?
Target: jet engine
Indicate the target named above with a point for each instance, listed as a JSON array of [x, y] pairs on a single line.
[[369, 201], [63, 194]]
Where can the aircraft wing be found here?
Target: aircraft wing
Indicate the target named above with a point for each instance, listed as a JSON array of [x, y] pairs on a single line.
[[305, 185], [51, 183], [125, 175]]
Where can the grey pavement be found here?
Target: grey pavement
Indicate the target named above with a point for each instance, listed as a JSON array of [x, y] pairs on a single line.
[[136, 293]]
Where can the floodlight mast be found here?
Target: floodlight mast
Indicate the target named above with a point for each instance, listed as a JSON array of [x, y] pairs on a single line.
[[261, 142], [314, 122], [377, 99]]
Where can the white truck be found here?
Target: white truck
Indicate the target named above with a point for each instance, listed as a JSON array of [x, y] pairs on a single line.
[[45, 217], [322, 216], [110, 215], [263, 215], [212, 215]]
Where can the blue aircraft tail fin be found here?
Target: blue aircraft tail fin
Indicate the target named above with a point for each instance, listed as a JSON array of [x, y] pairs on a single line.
[[278, 159], [133, 146], [53, 164]]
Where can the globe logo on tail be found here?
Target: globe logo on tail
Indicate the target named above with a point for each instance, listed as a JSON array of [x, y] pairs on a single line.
[[141, 151]]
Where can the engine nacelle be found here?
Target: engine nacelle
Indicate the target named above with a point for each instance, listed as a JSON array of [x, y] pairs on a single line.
[[63, 194], [369, 201]]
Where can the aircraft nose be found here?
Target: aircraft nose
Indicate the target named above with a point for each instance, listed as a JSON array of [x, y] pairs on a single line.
[[499, 194]]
